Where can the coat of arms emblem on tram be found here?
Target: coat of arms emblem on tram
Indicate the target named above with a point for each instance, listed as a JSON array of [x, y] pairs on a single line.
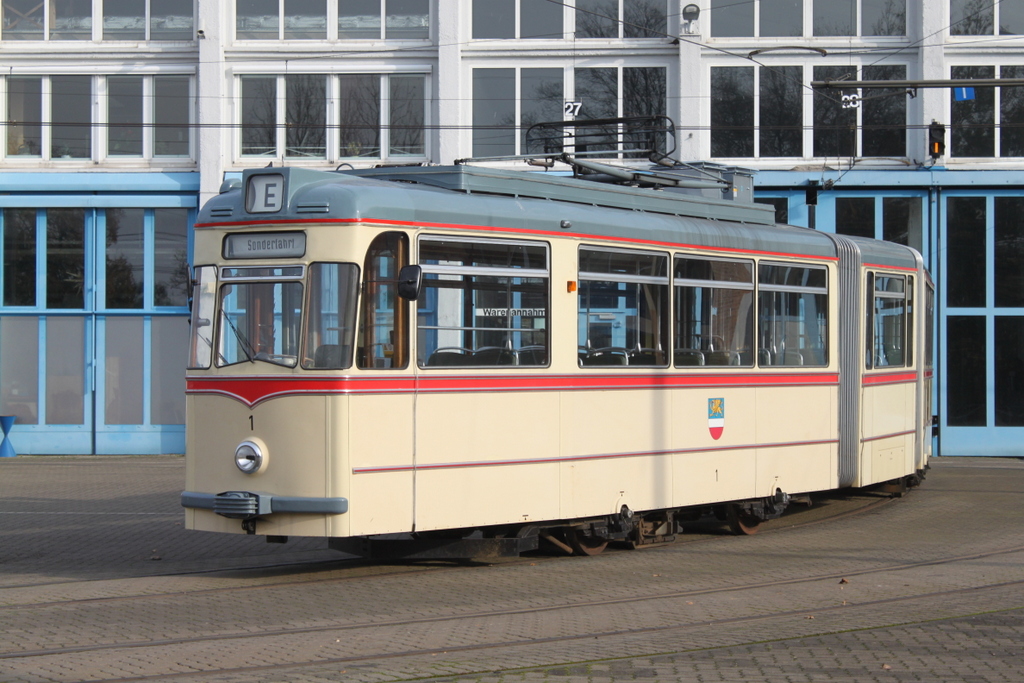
[[716, 417]]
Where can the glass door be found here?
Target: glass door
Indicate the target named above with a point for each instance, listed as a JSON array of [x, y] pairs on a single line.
[[93, 328], [982, 327]]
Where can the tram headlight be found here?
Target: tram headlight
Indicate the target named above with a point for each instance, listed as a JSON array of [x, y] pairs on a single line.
[[250, 456]]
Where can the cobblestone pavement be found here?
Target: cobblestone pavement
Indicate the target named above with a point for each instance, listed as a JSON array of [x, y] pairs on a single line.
[[929, 587]]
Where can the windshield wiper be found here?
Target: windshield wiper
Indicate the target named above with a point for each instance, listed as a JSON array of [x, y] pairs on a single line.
[[246, 347]]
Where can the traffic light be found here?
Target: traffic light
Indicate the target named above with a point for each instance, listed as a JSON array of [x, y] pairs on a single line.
[[936, 140]]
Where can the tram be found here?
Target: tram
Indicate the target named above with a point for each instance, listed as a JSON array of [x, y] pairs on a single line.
[[455, 355]]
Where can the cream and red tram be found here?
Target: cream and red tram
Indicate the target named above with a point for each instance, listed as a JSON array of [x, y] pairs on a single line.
[[469, 353]]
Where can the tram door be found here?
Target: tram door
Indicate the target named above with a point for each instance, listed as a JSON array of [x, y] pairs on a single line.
[[382, 424]]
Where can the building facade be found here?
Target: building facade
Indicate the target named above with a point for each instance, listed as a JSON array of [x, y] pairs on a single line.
[[123, 116]]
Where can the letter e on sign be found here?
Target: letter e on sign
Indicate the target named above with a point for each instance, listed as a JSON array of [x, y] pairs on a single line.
[[265, 193]]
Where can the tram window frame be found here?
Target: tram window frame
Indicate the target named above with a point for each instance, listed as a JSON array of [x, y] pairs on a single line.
[[329, 298], [646, 334], [706, 347], [774, 303], [889, 345], [453, 289], [250, 345], [204, 305]]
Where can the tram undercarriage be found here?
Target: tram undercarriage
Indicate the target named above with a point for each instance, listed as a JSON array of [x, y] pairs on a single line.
[[587, 537]]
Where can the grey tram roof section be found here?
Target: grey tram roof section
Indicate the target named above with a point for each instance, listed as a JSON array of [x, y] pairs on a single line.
[[530, 200]]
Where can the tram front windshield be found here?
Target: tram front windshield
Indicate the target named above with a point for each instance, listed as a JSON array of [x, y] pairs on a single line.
[[261, 313]]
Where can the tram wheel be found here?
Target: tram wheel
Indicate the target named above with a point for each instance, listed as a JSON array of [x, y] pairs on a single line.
[[585, 544], [742, 523]]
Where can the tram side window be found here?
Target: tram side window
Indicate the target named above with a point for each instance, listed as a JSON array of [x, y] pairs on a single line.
[[259, 315], [330, 316], [714, 316], [384, 323], [623, 310], [890, 311], [484, 303], [792, 325], [204, 295]]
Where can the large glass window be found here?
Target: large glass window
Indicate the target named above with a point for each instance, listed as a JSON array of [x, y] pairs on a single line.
[[306, 111], [981, 17], [70, 19], [119, 19], [124, 116], [781, 18], [259, 319], [70, 117], [125, 257], [330, 316], [359, 135], [714, 317], [882, 124], [973, 129], [1009, 371], [259, 115], [966, 353], [792, 315], [168, 20], [966, 264], [167, 381], [22, 20], [497, 19], [992, 123], [506, 102], [19, 368], [540, 97], [171, 116], [389, 19], [900, 220], [170, 257], [483, 303], [407, 116], [19, 251], [780, 112], [65, 371], [65, 258], [379, 116], [1009, 253], [623, 308], [732, 111], [145, 116], [770, 123], [124, 364], [621, 18], [24, 116]]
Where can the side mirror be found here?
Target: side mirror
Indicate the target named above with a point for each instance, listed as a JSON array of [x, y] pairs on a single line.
[[410, 281]]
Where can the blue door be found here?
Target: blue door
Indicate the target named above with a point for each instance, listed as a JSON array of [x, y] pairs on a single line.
[[93, 326]]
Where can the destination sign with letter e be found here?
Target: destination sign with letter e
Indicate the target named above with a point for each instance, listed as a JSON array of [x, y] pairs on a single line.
[[264, 193]]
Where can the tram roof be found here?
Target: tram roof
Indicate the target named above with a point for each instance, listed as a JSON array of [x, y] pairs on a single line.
[[519, 201]]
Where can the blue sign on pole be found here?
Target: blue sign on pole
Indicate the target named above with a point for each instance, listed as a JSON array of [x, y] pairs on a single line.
[[962, 94]]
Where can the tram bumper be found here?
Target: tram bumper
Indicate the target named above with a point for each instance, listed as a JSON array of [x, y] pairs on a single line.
[[253, 504]]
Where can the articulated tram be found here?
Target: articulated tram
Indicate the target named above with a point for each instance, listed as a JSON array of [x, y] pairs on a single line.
[[455, 355]]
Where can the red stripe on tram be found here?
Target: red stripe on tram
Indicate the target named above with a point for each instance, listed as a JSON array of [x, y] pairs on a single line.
[[253, 390]]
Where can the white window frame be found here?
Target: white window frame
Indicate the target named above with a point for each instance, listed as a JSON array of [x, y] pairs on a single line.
[[99, 118], [333, 156]]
